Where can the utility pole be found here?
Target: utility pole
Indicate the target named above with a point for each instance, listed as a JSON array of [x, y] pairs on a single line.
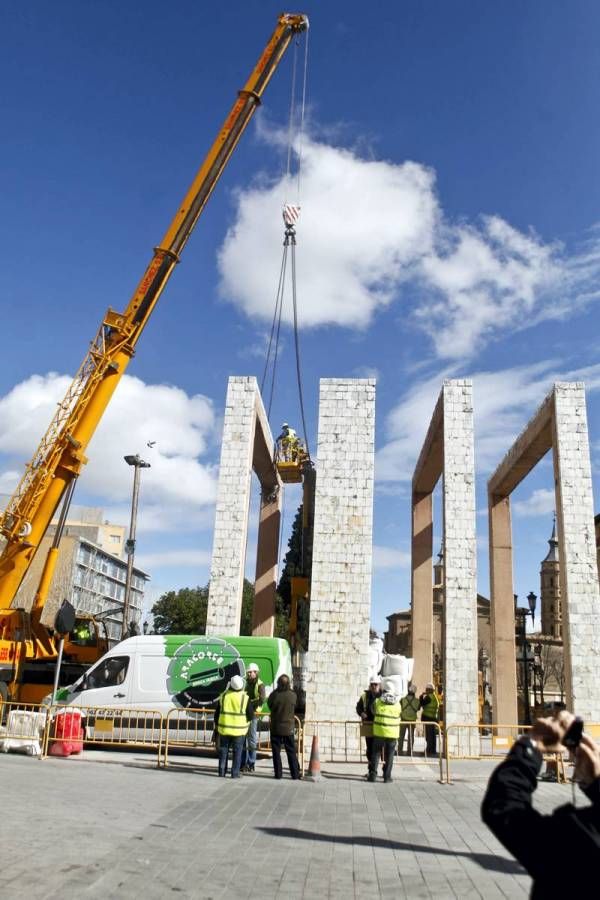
[[138, 463]]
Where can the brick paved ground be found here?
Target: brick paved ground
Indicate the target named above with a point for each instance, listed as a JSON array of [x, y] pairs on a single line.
[[112, 826]]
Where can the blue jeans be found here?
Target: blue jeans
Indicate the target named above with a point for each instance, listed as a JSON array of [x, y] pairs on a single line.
[[250, 744], [236, 742]]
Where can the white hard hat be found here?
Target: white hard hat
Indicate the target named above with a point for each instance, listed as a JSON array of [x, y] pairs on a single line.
[[375, 680], [388, 686], [430, 686], [252, 668], [285, 425], [236, 683]]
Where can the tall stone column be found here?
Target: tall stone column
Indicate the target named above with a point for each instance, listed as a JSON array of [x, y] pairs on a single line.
[[422, 588], [460, 578], [263, 617], [233, 503], [504, 664], [579, 572], [340, 605]]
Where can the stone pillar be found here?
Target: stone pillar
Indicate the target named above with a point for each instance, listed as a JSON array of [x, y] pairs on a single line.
[[263, 617], [504, 664], [340, 605], [460, 580], [579, 572], [233, 504], [422, 588]]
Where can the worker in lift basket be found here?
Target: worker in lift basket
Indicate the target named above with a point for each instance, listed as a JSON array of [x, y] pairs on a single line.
[[288, 444]]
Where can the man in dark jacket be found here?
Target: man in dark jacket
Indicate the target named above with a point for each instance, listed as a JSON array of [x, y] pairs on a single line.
[[365, 711], [282, 704], [560, 851]]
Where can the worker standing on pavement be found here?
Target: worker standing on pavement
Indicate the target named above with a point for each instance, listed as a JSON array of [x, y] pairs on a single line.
[[282, 704], [409, 706], [386, 726], [256, 697], [430, 709], [364, 710], [233, 713]]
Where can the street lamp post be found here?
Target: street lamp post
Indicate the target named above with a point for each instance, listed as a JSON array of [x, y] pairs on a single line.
[[138, 463], [521, 614]]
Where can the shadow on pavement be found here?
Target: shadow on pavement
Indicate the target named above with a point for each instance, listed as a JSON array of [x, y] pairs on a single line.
[[485, 860]]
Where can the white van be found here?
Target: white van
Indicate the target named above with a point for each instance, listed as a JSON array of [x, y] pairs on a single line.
[[163, 672]]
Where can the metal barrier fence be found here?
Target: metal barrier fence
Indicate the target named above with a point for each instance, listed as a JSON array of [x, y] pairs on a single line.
[[342, 742], [69, 728], [23, 727], [493, 742], [194, 729]]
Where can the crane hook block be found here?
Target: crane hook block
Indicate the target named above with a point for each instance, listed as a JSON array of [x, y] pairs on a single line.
[[291, 214]]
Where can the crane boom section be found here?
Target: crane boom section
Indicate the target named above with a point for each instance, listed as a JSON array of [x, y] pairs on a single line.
[[61, 453]]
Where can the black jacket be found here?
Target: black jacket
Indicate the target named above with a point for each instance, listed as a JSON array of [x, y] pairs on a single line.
[[367, 708], [560, 851], [282, 705]]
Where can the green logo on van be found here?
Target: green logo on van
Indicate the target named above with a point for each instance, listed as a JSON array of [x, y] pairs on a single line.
[[201, 669]]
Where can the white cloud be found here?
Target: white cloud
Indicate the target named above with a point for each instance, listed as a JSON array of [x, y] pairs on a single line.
[[370, 228], [179, 488], [362, 226], [540, 503], [390, 558], [503, 402]]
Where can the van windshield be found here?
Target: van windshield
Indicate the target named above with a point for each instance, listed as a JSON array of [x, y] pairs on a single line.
[[110, 672]]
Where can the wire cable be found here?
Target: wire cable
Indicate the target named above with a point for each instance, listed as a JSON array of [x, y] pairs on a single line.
[[279, 291], [297, 344], [302, 113]]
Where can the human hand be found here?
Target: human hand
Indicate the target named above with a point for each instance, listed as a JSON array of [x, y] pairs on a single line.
[[363, 716], [549, 732], [587, 761]]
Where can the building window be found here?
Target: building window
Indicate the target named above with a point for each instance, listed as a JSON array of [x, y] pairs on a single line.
[[115, 538]]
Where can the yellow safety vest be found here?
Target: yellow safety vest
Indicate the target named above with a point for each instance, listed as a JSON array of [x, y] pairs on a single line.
[[232, 715], [431, 707], [386, 723], [410, 708], [253, 691]]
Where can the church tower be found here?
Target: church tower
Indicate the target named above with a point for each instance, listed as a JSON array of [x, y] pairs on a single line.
[[550, 590]]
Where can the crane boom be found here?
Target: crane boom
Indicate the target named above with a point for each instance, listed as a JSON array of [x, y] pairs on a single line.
[[61, 453]]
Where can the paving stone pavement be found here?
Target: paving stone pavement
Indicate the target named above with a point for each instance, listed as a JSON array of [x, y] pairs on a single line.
[[113, 826]]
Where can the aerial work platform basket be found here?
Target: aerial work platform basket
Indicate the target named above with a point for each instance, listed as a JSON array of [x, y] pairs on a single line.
[[290, 456]]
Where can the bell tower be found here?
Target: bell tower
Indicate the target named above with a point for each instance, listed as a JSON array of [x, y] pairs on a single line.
[[550, 590]]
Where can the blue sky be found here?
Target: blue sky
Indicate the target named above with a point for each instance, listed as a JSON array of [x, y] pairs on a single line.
[[450, 199]]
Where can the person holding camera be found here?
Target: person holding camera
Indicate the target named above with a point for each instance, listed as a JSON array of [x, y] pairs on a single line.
[[560, 850]]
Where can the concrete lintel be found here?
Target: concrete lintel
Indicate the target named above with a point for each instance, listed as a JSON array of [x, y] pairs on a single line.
[[528, 449], [431, 458]]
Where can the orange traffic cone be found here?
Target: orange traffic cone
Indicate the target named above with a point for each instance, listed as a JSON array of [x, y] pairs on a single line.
[[314, 766]]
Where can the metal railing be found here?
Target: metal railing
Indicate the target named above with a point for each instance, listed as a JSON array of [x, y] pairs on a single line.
[[194, 729], [23, 727], [342, 742], [493, 742], [103, 726]]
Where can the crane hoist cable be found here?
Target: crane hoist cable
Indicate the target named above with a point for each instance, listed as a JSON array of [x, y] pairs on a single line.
[[290, 217]]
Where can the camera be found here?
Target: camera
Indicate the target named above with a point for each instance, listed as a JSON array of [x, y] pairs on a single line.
[[573, 734]]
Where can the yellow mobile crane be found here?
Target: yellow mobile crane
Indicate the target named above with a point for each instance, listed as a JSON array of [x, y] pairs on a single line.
[[51, 474]]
